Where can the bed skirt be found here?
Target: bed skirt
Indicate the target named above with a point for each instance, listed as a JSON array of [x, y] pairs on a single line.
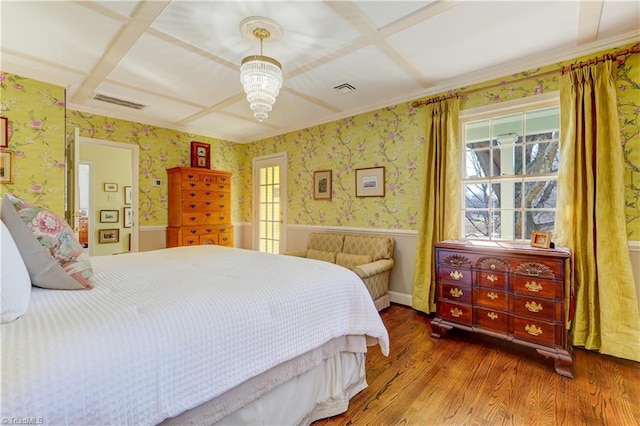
[[312, 386]]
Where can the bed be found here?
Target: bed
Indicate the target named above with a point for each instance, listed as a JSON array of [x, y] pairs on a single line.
[[192, 335]]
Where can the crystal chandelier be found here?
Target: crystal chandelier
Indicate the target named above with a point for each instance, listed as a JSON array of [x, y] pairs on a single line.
[[261, 77]]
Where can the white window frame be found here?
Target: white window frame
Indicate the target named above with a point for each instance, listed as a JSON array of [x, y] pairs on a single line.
[[547, 100]]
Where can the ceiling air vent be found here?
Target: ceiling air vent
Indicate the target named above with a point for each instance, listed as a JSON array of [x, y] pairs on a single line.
[[116, 101], [344, 88]]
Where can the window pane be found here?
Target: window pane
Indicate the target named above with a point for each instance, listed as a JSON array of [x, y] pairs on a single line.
[[478, 163], [505, 195], [476, 224], [507, 225], [507, 160], [477, 196], [541, 194], [538, 221], [542, 156]]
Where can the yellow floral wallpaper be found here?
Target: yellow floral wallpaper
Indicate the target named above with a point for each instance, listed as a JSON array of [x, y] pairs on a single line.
[[392, 137], [160, 149], [35, 112]]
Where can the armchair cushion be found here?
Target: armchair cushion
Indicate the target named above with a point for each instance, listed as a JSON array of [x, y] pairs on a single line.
[[350, 261], [327, 256]]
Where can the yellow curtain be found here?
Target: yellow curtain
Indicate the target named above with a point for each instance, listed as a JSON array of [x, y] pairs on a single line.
[[590, 213], [440, 210]]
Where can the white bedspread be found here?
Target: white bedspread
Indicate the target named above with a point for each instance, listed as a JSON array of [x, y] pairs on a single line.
[[165, 331]]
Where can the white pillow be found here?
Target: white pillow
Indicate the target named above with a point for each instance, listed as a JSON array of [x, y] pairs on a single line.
[[15, 285]]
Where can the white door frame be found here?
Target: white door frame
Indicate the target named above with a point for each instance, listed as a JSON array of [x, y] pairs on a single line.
[[277, 159]]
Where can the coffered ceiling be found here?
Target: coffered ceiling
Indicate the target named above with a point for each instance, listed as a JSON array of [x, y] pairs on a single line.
[[181, 59]]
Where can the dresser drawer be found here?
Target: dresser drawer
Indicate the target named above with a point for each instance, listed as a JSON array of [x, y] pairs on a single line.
[[197, 206], [454, 275], [198, 185], [455, 312], [455, 292], [492, 319], [194, 195], [226, 239], [198, 218], [535, 308], [491, 298], [537, 287], [492, 279], [536, 331]]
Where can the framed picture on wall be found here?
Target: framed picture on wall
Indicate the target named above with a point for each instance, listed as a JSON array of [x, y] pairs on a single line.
[[109, 216], [322, 185], [110, 187], [4, 132], [127, 217], [200, 155], [108, 236], [127, 195], [370, 182], [6, 166]]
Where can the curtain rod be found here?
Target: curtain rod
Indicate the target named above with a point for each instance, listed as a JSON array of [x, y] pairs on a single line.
[[611, 56]]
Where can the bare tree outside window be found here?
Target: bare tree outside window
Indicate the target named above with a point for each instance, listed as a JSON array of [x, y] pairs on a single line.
[[510, 174]]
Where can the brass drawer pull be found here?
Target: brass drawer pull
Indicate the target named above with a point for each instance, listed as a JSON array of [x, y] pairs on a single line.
[[533, 306], [533, 330], [456, 275], [533, 286], [456, 292], [493, 315], [492, 278], [492, 296], [456, 312]]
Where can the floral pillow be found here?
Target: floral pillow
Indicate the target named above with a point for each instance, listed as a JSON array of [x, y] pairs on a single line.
[[54, 257]]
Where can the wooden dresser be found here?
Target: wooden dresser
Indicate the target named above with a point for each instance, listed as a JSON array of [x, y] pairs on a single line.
[[199, 207], [511, 291]]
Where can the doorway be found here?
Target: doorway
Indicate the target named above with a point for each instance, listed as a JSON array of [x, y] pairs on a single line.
[[109, 201], [269, 195]]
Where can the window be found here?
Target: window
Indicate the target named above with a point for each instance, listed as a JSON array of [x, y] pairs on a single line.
[[509, 173]]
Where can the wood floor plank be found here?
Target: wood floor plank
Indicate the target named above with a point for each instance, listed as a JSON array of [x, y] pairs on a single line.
[[472, 379]]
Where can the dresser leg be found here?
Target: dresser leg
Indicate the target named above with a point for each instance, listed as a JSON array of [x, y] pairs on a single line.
[[563, 362], [438, 329]]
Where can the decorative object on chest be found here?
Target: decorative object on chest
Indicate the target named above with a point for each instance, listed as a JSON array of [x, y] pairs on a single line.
[[511, 291], [199, 207]]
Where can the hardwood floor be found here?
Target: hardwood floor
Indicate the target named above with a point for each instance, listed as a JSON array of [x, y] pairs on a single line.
[[471, 379]]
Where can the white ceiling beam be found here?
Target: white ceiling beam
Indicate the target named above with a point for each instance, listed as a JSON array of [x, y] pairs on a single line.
[[588, 21], [142, 19]]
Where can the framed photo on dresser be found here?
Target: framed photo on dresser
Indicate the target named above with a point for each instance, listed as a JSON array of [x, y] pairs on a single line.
[[200, 155]]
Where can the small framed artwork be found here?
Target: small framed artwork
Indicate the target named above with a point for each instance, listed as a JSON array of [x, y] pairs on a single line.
[[108, 236], [4, 132], [370, 182], [200, 155], [110, 187], [109, 216], [541, 239], [322, 185], [127, 195], [6, 166], [127, 217]]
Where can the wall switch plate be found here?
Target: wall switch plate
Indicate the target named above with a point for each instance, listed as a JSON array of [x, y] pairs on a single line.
[[157, 182]]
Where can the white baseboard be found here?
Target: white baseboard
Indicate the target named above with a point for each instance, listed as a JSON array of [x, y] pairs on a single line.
[[401, 298]]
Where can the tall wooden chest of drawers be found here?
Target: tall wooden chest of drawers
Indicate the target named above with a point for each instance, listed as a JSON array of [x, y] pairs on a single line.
[[199, 207], [511, 291]]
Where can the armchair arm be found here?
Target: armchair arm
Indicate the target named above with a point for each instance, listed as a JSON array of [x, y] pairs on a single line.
[[298, 253], [370, 269]]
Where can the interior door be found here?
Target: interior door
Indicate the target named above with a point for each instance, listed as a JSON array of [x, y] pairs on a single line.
[[72, 154], [269, 195]]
